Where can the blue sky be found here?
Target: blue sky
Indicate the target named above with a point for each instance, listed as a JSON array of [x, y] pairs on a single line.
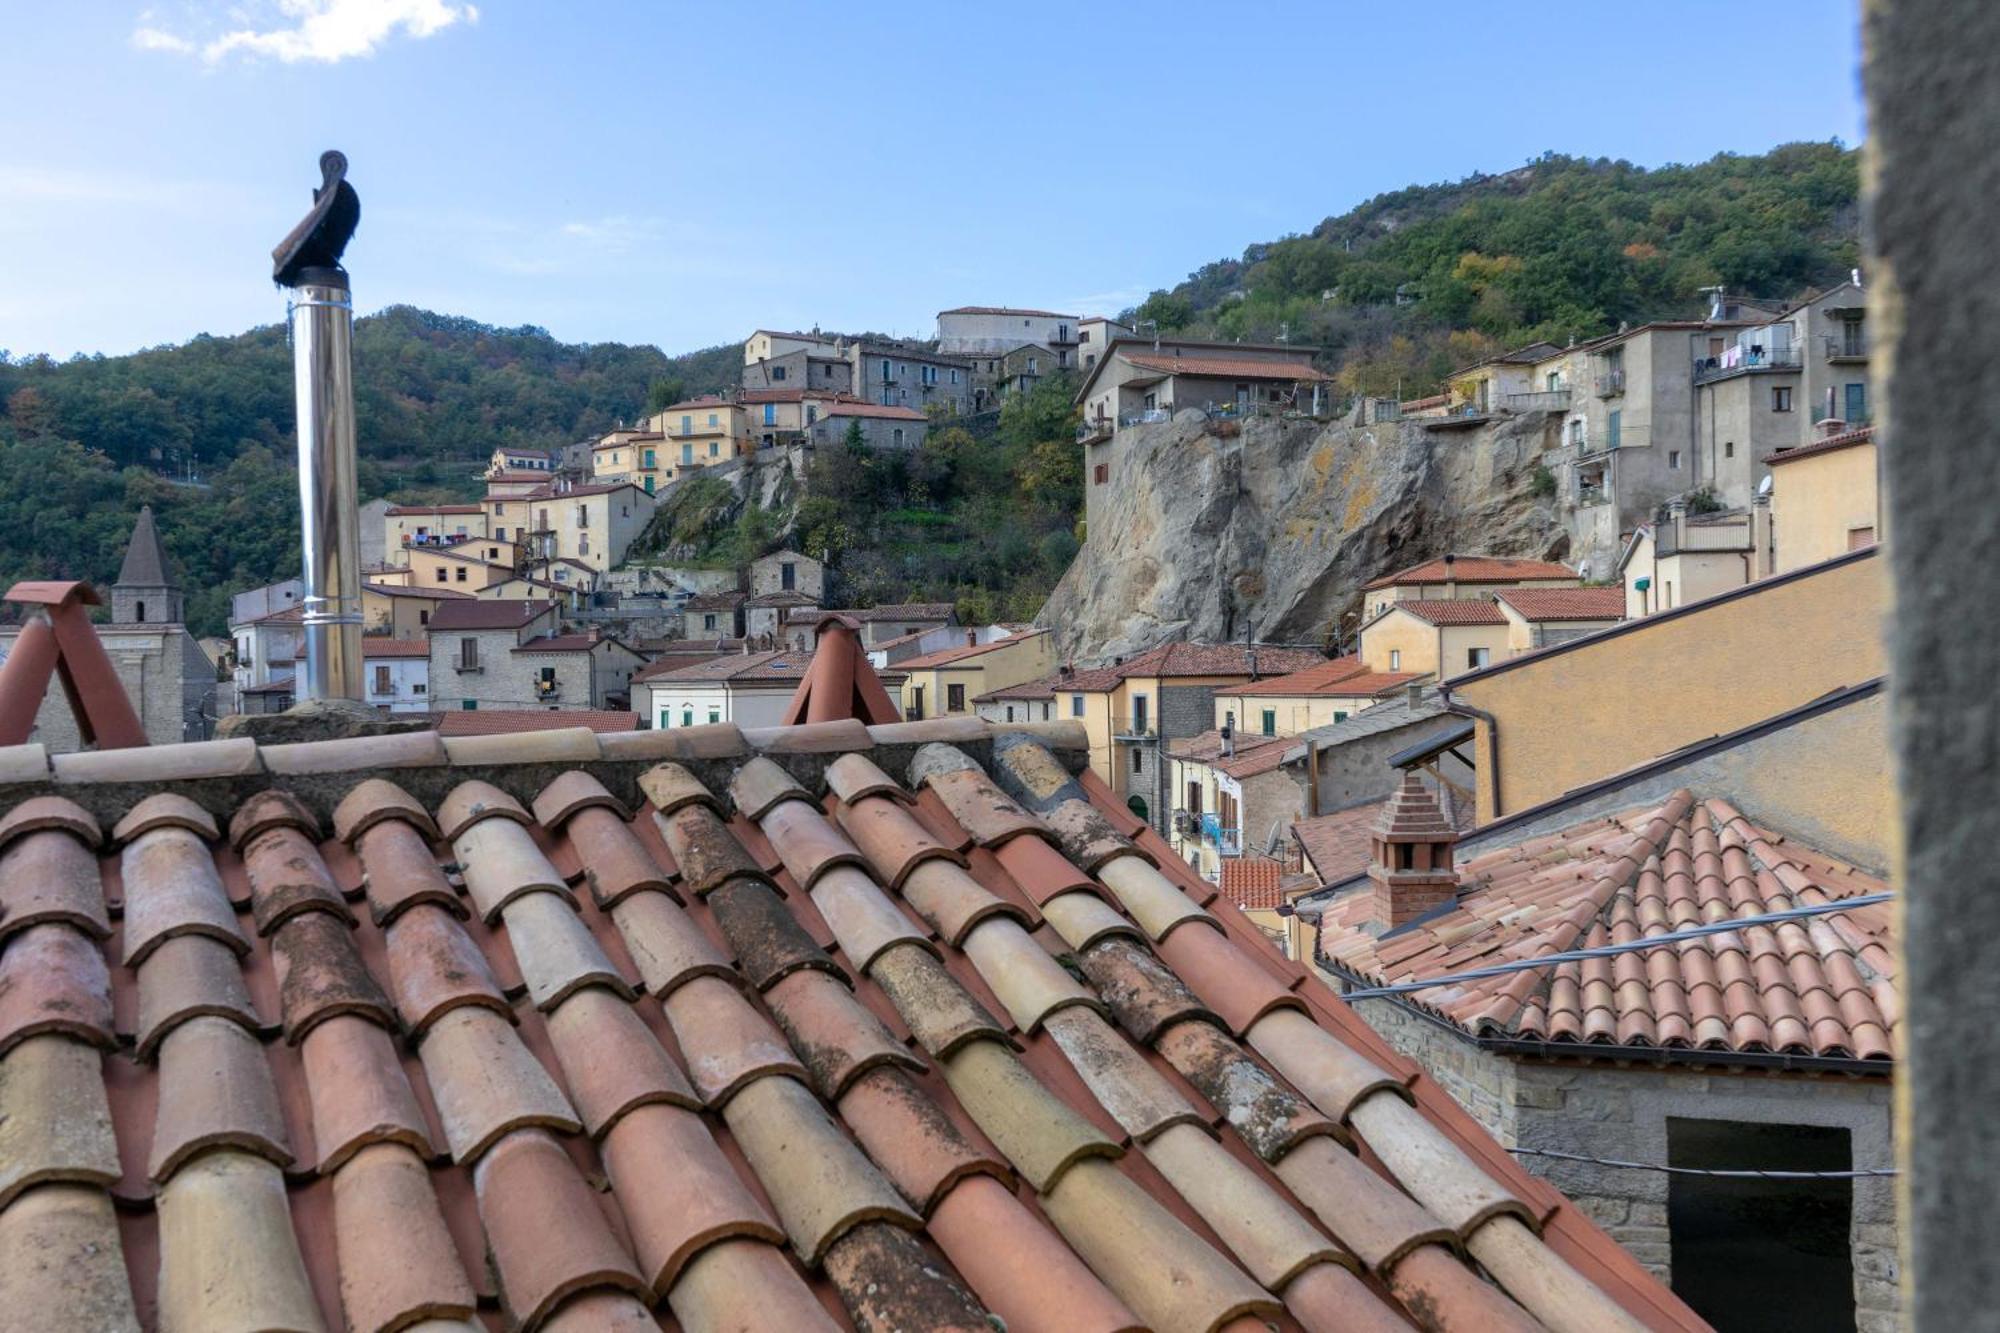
[[679, 174]]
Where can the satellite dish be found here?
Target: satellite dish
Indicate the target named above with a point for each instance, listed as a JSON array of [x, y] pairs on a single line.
[[1764, 486]]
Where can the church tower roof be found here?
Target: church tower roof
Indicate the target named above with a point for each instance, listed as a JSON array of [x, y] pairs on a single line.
[[145, 559]]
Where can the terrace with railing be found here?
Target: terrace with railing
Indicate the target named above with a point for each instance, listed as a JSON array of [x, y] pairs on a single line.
[[1743, 360]]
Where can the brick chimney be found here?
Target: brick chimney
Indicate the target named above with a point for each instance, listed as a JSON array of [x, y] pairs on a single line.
[[1412, 874]]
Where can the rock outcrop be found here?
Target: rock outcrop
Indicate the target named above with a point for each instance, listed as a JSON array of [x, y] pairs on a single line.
[[1214, 530]]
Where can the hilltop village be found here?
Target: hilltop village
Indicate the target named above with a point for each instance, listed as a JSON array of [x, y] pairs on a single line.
[[1652, 703]]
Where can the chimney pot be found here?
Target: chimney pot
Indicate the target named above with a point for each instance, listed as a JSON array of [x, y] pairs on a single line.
[[1412, 875], [1413, 693]]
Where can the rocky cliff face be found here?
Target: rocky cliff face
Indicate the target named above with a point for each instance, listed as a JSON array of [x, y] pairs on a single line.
[[1273, 530]]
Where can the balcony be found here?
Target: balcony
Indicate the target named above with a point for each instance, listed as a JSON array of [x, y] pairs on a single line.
[[1147, 417], [1135, 728], [1547, 400], [1089, 431], [1226, 841], [1848, 348], [1745, 361], [548, 691], [1611, 384]]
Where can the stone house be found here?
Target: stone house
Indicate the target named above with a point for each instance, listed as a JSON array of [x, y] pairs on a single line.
[[1319, 696], [396, 674], [266, 648], [876, 624], [586, 670], [1539, 617], [782, 416], [905, 375], [764, 614], [1451, 576], [778, 360], [1024, 367], [169, 679], [787, 571], [886, 428], [472, 657], [713, 615], [1030, 701], [1766, 1048], [1140, 379]]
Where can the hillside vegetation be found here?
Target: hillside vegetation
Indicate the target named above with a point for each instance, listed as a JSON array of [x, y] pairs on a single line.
[[1398, 291], [1413, 284]]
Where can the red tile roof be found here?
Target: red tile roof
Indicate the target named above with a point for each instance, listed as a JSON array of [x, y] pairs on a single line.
[[1227, 367], [1005, 310], [740, 668], [1192, 659], [1845, 440], [1339, 846], [500, 613], [1824, 987], [951, 656], [917, 611], [562, 643], [1250, 754], [1341, 677], [1252, 882], [1474, 569], [421, 511], [1451, 610], [672, 661], [512, 721], [1044, 688], [429, 594], [1537, 604], [766, 1058]]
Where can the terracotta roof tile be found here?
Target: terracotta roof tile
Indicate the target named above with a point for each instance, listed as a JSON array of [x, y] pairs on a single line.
[[1251, 882], [1022, 1020], [1451, 610], [1815, 989], [1538, 604]]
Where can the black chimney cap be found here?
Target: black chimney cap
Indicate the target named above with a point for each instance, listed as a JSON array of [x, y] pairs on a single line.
[[311, 251]]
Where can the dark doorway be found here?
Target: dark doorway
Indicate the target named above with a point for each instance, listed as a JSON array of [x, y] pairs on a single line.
[[1768, 1255]]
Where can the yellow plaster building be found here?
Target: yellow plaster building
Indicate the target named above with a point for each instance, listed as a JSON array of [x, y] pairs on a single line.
[[1452, 576], [1556, 719], [1319, 696], [1826, 499], [405, 526], [945, 683]]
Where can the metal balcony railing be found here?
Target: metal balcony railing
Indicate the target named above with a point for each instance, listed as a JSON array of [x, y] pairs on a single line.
[[1848, 347], [1744, 361], [1546, 400], [1227, 841], [1611, 384], [1130, 728], [1146, 417]]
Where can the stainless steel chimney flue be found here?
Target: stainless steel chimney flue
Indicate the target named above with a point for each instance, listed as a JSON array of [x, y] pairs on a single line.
[[322, 332]]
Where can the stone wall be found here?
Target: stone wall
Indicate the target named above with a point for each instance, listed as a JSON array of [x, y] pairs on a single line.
[[1621, 1113], [165, 674]]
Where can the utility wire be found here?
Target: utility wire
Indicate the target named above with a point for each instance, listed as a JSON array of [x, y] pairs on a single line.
[[1612, 950], [1745, 1173]]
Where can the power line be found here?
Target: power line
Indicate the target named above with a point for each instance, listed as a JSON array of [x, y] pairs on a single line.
[[1743, 1173], [1612, 950]]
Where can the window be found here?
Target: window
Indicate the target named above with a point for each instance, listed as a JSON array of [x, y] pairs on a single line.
[[1476, 658], [1076, 705], [713, 448], [469, 705], [468, 654], [649, 459], [1138, 760], [649, 485], [583, 543], [1860, 537], [666, 719], [1268, 721], [687, 425], [777, 373], [897, 437], [492, 553], [141, 610], [1857, 404], [545, 680], [916, 704], [583, 516], [423, 616], [460, 572], [1100, 474], [1340, 715], [418, 687], [954, 377], [687, 716], [1729, 449], [1395, 659], [770, 414], [444, 575], [1614, 429], [1781, 398], [788, 576], [708, 621], [1674, 459], [812, 413], [1034, 365], [1194, 796], [687, 455], [714, 716], [499, 509], [1728, 1258], [954, 698], [382, 685]]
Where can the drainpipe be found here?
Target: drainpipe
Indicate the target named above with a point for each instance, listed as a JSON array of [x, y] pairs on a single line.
[[1492, 741], [321, 311]]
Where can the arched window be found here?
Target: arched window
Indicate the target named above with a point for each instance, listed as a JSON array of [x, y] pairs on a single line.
[[1137, 805], [142, 613]]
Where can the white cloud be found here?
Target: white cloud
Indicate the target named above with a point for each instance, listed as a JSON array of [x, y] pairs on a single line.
[[319, 31]]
